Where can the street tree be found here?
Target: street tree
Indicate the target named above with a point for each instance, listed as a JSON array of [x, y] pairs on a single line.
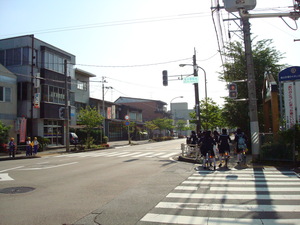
[[91, 119], [266, 59], [181, 125], [163, 124], [4, 133], [151, 128], [210, 115]]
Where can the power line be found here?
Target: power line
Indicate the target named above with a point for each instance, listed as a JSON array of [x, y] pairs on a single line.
[[141, 65], [115, 23]]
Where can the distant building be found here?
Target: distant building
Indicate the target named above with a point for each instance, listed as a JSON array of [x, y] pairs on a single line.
[[152, 109], [180, 111]]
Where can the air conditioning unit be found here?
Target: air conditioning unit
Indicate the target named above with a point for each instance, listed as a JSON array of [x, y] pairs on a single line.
[[235, 5]]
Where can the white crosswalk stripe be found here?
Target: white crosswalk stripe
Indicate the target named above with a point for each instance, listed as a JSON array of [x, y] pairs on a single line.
[[118, 154], [249, 196]]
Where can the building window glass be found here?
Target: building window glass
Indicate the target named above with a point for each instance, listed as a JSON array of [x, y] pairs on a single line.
[[53, 62], [53, 94], [13, 57], [2, 53], [25, 56], [5, 94], [81, 85]]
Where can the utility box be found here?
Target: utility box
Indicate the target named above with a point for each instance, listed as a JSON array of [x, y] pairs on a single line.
[[235, 5]]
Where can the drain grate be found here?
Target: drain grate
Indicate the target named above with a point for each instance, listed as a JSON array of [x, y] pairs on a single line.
[[16, 190]]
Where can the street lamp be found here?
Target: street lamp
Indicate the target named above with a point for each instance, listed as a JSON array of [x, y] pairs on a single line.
[[205, 81]]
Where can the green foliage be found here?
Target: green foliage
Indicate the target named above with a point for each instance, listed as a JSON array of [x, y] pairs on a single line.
[[282, 147], [266, 59], [276, 151], [166, 138], [181, 125], [43, 142], [210, 115], [163, 124], [91, 119], [4, 138], [89, 141]]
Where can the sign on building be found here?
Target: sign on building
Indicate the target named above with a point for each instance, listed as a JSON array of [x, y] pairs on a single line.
[[290, 78]]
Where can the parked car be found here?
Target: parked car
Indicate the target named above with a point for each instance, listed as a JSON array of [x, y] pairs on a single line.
[[74, 139]]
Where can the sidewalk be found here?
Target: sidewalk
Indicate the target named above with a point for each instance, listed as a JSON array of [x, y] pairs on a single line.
[[51, 150]]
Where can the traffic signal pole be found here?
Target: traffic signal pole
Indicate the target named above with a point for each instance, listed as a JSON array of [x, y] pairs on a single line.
[[197, 108]]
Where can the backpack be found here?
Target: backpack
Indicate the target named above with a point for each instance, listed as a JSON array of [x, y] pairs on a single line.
[[241, 142]]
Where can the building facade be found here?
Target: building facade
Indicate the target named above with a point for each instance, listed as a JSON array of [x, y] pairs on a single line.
[[152, 109], [44, 77], [8, 100]]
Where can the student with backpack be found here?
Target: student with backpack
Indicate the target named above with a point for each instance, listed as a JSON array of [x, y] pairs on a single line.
[[240, 139], [207, 147], [224, 147]]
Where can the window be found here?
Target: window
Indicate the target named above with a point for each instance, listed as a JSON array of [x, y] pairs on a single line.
[[53, 62], [25, 56], [53, 94], [5, 94], [81, 85], [13, 57], [2, 57]]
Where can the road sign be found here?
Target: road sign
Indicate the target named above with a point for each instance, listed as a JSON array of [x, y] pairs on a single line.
[[291, 73], [127, 123], [190, 80], [126, 117]]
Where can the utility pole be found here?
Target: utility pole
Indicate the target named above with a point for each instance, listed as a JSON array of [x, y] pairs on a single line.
[[103, 104], [197, 108], [66, 107], [254, 127], [32, 85]]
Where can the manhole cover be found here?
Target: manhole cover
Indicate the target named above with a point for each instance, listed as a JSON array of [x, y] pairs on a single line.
[[16, 190]]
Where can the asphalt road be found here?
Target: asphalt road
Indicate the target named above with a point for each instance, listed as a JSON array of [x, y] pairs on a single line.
[[116, 186], [143, 185]]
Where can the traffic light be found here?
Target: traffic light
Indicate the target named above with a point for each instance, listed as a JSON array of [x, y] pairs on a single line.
[[232, 90], [61, 112], [165, 77]]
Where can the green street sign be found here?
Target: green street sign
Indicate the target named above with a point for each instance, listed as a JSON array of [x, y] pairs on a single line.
[[190, 80]]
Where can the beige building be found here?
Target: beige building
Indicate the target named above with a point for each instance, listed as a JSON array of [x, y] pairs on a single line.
[[8, 99]]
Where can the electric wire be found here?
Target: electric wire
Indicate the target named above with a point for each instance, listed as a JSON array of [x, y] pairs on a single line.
[[116, 23]]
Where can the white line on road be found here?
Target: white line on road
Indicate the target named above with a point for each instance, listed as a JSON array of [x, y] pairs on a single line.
[[186, 188], [282, 189], [14, 168], [229, 207], [245, 178], [174, 219], [252, 182], [50, 167], [234, 196], [5, 177]]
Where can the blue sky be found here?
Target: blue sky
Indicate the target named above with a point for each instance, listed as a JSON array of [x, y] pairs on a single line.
[[130, 41]]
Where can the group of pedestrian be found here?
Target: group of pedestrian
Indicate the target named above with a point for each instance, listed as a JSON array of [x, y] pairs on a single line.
[[212, 145], [31, 147]]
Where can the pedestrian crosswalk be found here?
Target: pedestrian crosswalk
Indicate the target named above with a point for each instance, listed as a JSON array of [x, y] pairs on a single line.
[[248, 196], [119, 154]]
